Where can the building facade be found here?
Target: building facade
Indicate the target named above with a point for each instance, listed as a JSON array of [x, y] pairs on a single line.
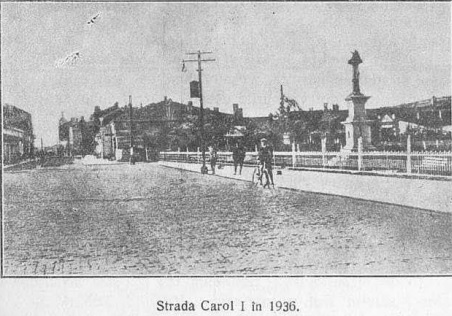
[[158, 126], [427, 121], [18, 135], [76, 136]]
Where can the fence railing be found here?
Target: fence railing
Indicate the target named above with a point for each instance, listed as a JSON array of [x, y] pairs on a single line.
[[423, 163]]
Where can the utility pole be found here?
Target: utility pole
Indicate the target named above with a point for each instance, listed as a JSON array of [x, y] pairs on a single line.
[[201, 115], [282, 98], [132, 161]]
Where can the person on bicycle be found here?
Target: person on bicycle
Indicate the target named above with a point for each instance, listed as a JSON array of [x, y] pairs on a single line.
[[265, 159]]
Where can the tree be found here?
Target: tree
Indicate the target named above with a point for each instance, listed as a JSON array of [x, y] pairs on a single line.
[[216, 126]]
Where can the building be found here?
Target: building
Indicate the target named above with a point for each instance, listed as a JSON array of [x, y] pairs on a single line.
[[428, 121], [77, 135], [158, 126], [426, 115], [18, 135], [169, 125]]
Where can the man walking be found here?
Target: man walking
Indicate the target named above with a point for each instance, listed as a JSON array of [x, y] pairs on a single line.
[[213, 157], [238, 155], [265, 159]]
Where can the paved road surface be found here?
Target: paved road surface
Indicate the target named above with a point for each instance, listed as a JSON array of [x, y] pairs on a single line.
[[435, 195], [148, 219]]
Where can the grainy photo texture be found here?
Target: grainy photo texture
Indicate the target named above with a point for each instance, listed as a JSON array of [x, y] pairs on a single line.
[[226, 139]]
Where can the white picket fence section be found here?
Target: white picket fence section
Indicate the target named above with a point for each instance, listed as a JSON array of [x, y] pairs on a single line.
[[427, 163]]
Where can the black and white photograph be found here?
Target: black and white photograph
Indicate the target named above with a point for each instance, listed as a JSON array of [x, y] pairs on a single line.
[[226, 139]]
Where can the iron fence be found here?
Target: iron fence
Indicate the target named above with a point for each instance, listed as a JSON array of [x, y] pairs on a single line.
[[423, 163]]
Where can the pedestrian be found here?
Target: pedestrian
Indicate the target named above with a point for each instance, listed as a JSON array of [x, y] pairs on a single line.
[[265, 158], [238, 156], [213, 157]]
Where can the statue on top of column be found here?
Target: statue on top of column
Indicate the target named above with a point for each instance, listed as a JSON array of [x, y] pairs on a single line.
[[355, 61]]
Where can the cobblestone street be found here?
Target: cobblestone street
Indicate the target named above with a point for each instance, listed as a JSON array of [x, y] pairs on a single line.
[[147, 219]]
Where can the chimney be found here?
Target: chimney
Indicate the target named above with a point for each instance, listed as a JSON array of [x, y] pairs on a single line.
[[235, 107], [165, 98], [190, 107], [240, 113], [96, 109], [325, 107], [215, 109]]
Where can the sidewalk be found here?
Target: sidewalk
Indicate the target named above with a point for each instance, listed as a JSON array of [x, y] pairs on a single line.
[[418, 193], [21, 163]]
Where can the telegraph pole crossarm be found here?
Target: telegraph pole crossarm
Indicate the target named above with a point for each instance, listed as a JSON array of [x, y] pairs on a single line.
[[201, 115]]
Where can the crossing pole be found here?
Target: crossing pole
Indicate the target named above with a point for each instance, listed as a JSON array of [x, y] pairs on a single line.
[[201, 115]]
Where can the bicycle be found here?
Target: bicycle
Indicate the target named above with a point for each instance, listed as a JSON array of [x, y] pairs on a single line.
[[259, 173]]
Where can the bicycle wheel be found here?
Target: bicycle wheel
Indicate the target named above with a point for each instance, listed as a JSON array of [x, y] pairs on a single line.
[[265, 178], [255, 177]]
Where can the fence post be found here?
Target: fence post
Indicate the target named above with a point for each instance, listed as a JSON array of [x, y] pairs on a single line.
[[274, 159], [360, 153], [324, 152], [294, 155], [408, 154], [197, 154], [187, 159]]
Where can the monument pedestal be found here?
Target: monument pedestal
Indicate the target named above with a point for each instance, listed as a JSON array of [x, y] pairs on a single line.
[[357, 125]]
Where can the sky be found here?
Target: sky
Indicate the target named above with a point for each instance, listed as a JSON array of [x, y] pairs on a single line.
[[137, 48]]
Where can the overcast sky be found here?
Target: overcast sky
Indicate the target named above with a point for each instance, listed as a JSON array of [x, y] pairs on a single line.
[[136, 49]]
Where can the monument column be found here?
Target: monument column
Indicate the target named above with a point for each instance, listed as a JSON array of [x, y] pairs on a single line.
[[357, 125]]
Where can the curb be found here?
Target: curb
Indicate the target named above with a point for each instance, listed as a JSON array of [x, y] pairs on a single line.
[[369, 173]]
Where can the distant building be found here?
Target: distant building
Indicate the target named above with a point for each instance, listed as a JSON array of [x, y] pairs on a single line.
[[431, 115], [169, 125], [77, 135], [155, 127], [426, 120], [18, 135]]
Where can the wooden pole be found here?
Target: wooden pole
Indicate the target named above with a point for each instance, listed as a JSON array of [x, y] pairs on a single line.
[[132, 161]]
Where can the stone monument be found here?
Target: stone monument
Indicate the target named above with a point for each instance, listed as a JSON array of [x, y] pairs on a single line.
[[357, 125]]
